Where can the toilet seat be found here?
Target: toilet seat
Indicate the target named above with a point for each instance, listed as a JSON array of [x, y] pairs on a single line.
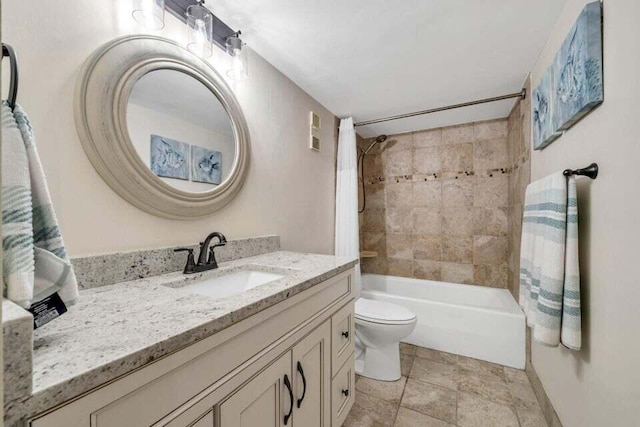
[[382, 312]]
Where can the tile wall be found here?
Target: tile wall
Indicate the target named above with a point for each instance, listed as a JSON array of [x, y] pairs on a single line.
[[446, 204], [438, 205]]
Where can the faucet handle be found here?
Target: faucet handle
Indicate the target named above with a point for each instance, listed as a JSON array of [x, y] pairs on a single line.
[[190, 250], [191, 263]]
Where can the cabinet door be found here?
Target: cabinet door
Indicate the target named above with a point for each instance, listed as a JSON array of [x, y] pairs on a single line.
[[264, 401], [312, 378]]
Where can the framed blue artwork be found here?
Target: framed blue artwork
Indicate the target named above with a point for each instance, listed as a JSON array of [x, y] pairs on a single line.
[[577, 69], [169, 158], [541, 112], [206, 165]]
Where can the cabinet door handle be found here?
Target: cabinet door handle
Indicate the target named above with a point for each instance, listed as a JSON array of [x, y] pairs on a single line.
[[345, 334], [345, 391], [304, 384], [288, 385]]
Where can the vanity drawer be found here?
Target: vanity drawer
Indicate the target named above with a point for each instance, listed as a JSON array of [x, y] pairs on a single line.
[[342, 336], [343, 388]]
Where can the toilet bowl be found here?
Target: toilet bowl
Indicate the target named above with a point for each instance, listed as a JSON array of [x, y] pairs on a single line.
[[380, 326]]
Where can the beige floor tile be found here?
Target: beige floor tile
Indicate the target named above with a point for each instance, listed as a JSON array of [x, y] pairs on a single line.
[[406, 362], [480, 366], [390, 391], [444, 390], [487, 386], [476, 412], [429, 399], [408, 418], [523, 394], [436, 356], [531, 416], [434, 372], [408, 349], [368, 411], [513, 375]]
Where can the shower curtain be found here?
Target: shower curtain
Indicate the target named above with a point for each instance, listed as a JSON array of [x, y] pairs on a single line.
[[347, 231]]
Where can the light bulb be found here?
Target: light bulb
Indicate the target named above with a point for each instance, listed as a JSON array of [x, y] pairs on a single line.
[[199, 37], [237, 71]]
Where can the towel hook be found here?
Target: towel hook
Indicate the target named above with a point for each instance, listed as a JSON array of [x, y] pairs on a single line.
[[591, 171], [7, 50]]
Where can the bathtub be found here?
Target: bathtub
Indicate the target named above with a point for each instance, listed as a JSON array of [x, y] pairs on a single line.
[[479, 322]]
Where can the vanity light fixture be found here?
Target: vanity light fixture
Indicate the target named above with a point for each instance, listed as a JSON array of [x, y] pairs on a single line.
[[206, 30], [238, 69], [200, 25], [149, 13]]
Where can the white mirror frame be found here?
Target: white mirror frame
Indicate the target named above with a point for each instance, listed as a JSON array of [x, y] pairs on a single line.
[[102, 92]]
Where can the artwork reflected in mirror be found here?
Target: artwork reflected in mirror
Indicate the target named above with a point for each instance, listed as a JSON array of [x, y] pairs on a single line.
[[206, 165], [181, 130], [169, 158]]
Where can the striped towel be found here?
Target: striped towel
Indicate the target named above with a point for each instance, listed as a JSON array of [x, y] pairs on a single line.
[[549, 267], [35, 262]]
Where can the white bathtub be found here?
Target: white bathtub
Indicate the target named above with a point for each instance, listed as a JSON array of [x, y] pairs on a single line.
[[483, 323]]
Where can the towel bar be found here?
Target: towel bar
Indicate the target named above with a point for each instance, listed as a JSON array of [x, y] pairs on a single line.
[[7, 51], [591, 171]]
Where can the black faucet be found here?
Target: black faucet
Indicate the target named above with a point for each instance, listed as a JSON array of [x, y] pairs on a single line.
[[204, 263]]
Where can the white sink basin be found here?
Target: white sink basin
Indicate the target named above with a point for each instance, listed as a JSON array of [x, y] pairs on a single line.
[[232, 283]]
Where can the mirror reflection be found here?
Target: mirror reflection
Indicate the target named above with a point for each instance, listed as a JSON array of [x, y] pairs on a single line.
[[181, 130]]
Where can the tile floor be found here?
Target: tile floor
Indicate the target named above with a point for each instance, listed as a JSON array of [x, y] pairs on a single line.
[[443, 390]]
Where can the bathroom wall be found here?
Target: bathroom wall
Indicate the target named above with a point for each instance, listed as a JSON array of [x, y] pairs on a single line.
[[438, 205], [598, 386], [289, 189]]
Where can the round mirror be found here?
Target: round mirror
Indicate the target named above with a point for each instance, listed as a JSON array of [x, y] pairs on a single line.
[[161, 127], [181, 131]]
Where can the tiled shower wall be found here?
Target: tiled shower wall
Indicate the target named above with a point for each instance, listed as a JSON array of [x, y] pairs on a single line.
[[438, 205], [446, 204]]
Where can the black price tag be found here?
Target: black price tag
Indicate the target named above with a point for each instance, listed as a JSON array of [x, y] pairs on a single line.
[[46, 310]]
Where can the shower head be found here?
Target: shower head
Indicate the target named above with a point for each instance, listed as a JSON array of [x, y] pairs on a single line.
[[378, 140]]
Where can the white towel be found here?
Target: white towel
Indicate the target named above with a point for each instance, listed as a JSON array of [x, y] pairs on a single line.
[[35, 262], [549, 266]]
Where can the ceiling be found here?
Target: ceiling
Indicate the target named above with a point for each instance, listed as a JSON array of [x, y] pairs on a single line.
[[179, 95], [376, 58]]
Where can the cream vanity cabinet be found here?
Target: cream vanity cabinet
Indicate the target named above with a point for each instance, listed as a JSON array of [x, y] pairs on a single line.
[[299, 380], [291, 364]]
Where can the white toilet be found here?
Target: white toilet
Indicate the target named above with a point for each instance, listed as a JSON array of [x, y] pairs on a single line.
[[380, 326]]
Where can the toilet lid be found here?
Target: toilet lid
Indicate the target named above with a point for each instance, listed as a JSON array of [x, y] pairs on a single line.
[[382, 311]]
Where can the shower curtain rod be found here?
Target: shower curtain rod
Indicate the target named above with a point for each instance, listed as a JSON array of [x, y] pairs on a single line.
[[522, 95]]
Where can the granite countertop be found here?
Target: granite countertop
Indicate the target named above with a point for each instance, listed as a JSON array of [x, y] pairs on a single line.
[[117, 328]]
